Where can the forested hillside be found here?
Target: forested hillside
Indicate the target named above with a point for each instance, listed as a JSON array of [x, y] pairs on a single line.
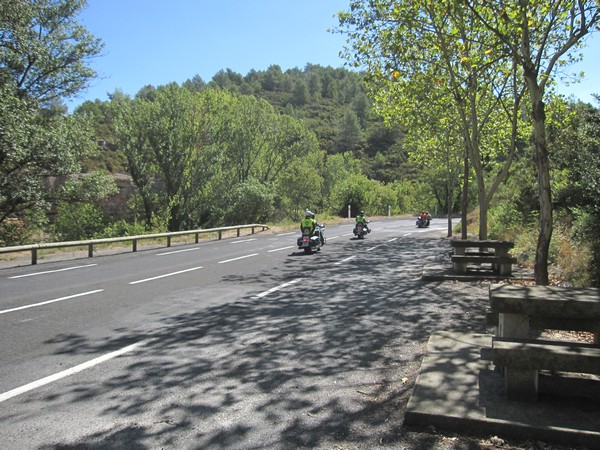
[[331, 102]]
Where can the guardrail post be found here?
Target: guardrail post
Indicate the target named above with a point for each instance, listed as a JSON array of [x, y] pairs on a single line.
[[168, 241], [135, 245], [197, 237], [220, 234], [33, 256], [238, 232], [91, 250], [252, 230]]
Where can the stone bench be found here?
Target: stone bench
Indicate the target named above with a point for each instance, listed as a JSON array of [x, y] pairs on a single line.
[[492, 252], [521, 308], [492, 319], [499, 248], [502, 265], [522, 360]]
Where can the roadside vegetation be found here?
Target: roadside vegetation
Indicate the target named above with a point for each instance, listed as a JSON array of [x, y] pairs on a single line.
[[387, 137]]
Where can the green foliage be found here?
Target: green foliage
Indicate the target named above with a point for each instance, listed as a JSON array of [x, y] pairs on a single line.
[[14, 232], [506, 220], [34, 146], [123, 228], [89, 188], [250, 202], [44, 50], [77, 221]]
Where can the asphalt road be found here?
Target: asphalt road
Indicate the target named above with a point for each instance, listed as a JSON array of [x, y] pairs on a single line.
[[238, 343]]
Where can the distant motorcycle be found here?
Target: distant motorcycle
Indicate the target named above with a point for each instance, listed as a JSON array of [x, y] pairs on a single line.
[[423, 221], [312, 243], [360, 231]]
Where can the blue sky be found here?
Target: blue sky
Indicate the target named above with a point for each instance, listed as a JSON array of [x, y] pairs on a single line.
[[157, 42]]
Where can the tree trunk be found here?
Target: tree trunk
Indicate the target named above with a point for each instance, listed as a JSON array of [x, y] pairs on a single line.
[[543, 175], [465, 198]]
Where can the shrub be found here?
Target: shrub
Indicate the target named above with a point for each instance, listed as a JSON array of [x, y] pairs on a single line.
[[77, 221], [14, 232]]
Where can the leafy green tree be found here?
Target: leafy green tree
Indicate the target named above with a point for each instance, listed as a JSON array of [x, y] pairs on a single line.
[[350, 136], [536, 35], [130, 125], [419, 53], [43, 57], [44, 51], [175, 137], [300, 185], [34, 146]]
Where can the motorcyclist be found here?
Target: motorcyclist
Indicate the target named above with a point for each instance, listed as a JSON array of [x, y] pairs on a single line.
[[361, 219], [424, 218], [308, 222]]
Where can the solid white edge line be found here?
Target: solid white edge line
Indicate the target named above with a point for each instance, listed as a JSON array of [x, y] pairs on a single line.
[[65, 373], [165, 275], [276, 288], [235, 259], [51, 271], [51, 301]]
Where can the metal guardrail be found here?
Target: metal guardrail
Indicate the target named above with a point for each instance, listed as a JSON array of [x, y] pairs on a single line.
[[33, 248]]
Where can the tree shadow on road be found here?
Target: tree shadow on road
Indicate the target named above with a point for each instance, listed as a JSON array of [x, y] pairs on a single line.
[[326, 362]]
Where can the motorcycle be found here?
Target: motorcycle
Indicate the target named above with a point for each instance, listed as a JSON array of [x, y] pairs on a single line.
[[312, 243], [360, 231], [423, 221]]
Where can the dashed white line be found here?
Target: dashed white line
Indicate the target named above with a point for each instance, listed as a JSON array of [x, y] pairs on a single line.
[[239, 257], [51, 301], [345, 260], [393, 239], [286, 234], [373, 248], [178, 251], [165, 275], [276, 288], [282, 248], [52, 271], [65, 373], [244, 240]]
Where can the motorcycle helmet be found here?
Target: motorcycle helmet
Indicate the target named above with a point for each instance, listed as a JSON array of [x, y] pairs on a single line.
[[308, 214], [362, 213]]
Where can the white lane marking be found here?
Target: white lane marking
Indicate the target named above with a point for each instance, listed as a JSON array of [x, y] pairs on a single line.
[[51, 301], [52, 271], [244, 240], [65, 373], [178, 251], [407, 234], [165, 275], [332, 237], [345, 260], [373, 248], [276, 288], [349, 234], [286, 234], [393, 239], [282, 248], [239, 257]]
